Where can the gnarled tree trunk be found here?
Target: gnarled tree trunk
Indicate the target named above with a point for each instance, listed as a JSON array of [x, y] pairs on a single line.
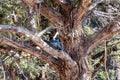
[[71, 62], [73, 42]]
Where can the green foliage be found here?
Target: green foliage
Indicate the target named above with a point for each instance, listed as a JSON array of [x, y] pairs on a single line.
[[101, 75]]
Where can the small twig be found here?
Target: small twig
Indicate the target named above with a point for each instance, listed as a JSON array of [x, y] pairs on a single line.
[[97, 66], [99, 54], [55, 35], [44, 71], [105, 59], [14, 17], [11, 54], [38, 5], [3, 70], [107, 15], [104, 13], [21, 71], [93, 5]]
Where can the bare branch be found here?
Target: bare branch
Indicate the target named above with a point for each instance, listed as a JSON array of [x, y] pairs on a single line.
[[2, 67], [44, 31], [94, 4], [38, 41], [105, 60], [52, 15], [81, 9], [103, 34], [108, 15]]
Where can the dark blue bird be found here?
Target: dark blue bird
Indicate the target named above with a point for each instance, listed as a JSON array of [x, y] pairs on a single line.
[[56, 44]]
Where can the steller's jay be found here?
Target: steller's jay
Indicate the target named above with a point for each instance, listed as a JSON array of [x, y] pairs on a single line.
[[56, 44]]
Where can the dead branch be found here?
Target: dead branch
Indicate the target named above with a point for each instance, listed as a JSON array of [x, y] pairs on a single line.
[[107, 15], [44, 31], [3, 70], [105, 59], [94, 4]]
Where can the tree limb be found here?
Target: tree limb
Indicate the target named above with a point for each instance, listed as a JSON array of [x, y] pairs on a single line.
[[81, 9], [103, 34], [52, 15], [64, 4], [91, 7], [30, 50], [39, 42]]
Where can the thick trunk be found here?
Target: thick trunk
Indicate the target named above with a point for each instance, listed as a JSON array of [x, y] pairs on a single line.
[[78, 73], [73, 43]]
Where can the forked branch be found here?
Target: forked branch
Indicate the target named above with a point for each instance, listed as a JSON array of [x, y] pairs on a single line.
[[39, 42], [30, 50], [103, 34]]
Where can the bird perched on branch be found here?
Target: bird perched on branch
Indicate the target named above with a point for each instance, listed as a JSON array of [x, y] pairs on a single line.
[[53, 42]]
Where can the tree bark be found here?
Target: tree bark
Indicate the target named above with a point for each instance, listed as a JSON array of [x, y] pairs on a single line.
[[80, 73], [71, 62], [73, 43]]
